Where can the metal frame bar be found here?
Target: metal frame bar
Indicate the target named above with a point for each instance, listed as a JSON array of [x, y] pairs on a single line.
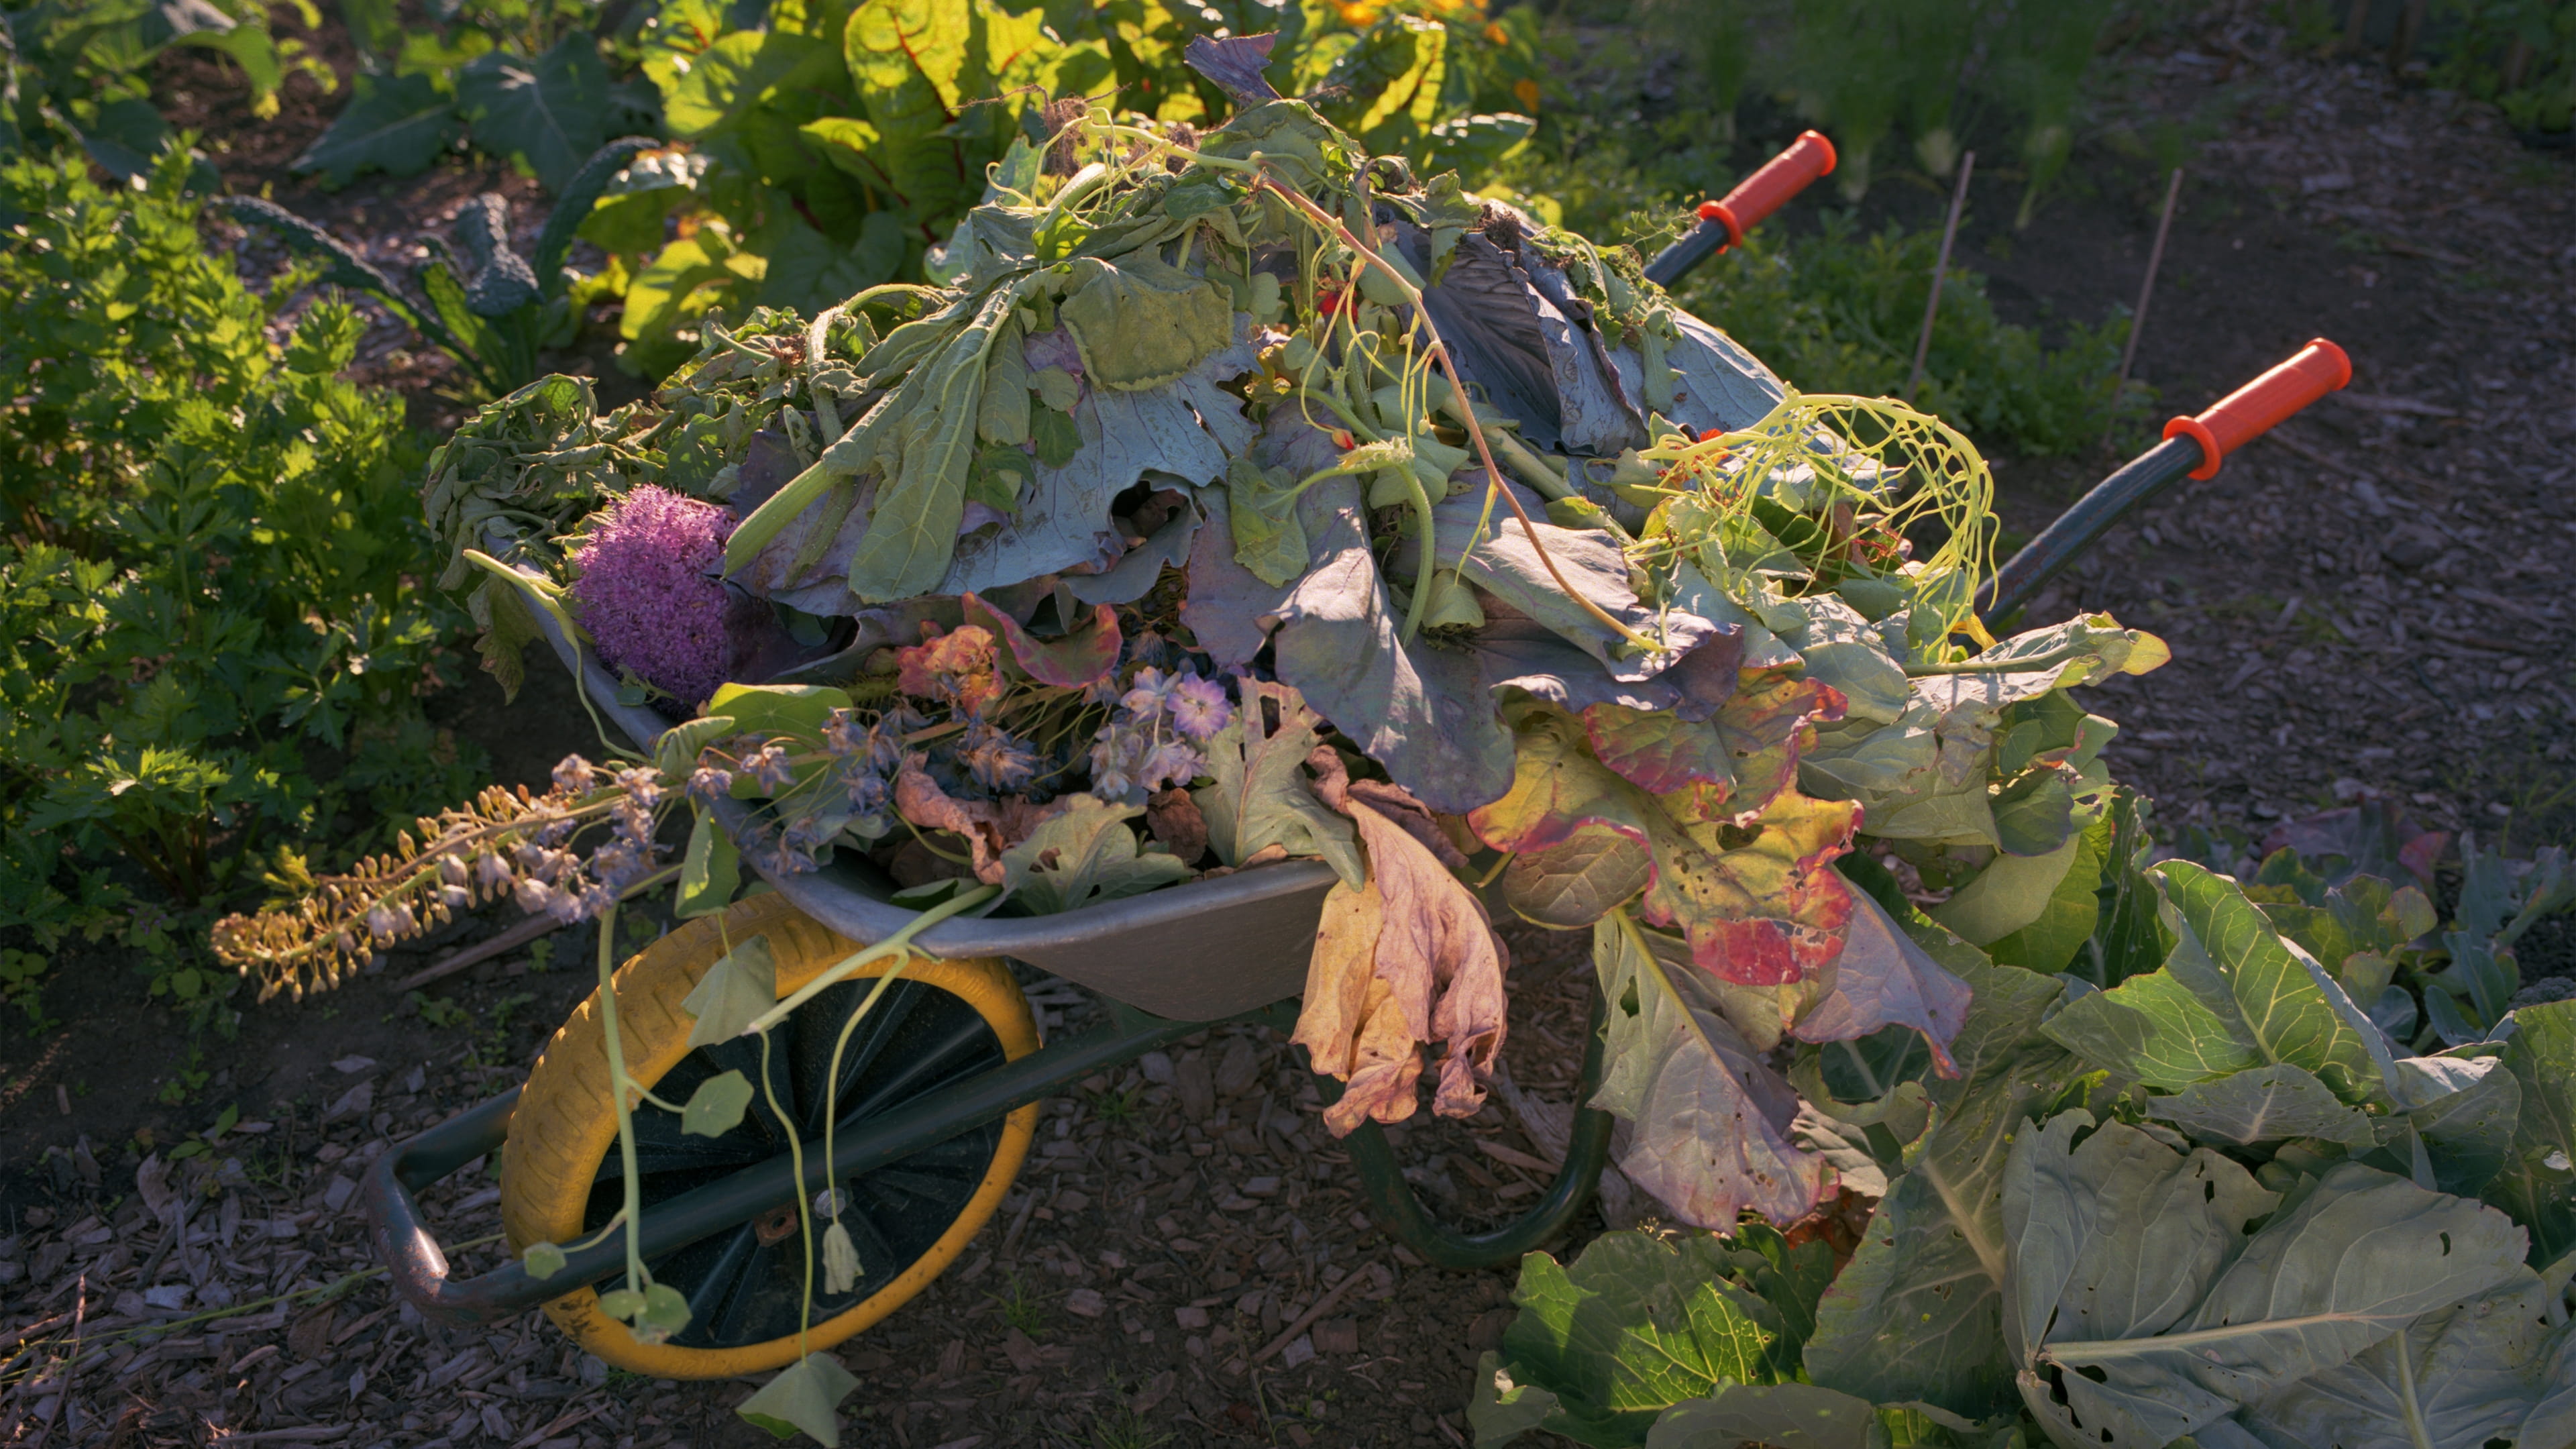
[[418, 1266]]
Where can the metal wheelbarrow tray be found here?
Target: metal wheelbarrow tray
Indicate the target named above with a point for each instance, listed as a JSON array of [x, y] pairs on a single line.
[[1167, 965]]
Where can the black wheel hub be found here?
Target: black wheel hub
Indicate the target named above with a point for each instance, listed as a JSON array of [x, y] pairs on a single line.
[[745, 1284]]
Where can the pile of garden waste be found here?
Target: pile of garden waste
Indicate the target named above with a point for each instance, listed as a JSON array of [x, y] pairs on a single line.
[[1241, 497], [1237, 497]]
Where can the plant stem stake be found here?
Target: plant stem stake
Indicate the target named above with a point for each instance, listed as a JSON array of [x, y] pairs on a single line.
[[1940, 269], [2146, 290]]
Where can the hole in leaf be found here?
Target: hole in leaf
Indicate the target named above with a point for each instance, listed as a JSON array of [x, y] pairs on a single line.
[[2446, 1245], [2095, 1372]]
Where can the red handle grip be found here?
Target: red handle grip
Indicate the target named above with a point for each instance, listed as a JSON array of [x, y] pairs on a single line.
[[2256, 408], [1769, 189]]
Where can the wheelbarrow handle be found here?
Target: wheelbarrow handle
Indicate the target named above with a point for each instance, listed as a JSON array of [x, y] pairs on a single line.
[[1723, 223], [2193, 447]]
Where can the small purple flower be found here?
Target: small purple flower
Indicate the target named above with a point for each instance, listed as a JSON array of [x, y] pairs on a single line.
[[491, 871], [1148, 693], [768, 765], [648, 594], [575, 775], [708, 784], [867, 790], [1199, 707], [533, 895], [642, 785], [996, 760], [844, 736], [1170, 763]]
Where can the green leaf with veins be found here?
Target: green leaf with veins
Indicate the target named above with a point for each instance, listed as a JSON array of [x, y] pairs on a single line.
[[716, 1107], [2537, 1183], [1632, 1327], [2267, 1104], [1256, 794], [1085, 855], [550, 112], [742, 984], [2142, 1312], [1918, 1313], [398, 124], [2066, 921], [2231, 997], [2460, 1377]]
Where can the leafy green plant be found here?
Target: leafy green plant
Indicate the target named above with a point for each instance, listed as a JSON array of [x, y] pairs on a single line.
[[836, 150], [491, 309], [22, 986], [2211, 1200], [73, 72], [525, 79], [211, 570], [2521, 54]]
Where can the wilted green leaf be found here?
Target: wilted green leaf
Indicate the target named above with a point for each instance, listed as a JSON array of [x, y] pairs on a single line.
[[1143, 322], [711, 871], [1084, 855], [1257, 795], [737, 989], [716, 1107], [1710, 1119], [805, 1397]]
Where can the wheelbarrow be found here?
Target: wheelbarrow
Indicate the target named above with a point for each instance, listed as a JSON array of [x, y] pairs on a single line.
[[939, 1093]]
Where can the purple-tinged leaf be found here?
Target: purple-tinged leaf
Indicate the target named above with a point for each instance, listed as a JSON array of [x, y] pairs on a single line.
[[1740, 758], [1710, 1118], [1077, 659], [1883, 979]]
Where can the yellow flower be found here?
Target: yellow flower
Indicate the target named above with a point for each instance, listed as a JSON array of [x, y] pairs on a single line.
[[1527, 90], [1496, 35], [1358, 14]]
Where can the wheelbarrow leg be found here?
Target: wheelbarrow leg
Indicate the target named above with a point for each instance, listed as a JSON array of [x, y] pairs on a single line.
[[1392, 1203]]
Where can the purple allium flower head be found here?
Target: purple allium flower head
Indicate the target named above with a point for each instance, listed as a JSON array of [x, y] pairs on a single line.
[[646, 591], [1199, 707]]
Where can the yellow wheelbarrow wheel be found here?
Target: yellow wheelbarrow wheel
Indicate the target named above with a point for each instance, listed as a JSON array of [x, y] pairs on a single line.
[[941, 1022]]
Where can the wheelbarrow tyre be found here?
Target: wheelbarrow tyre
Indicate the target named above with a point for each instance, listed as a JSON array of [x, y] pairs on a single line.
[[564, 1128]]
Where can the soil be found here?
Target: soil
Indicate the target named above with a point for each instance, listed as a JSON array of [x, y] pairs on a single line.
[[2366, 603]]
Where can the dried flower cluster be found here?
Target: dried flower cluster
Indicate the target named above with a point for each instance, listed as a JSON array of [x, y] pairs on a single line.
[[329, 925]]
